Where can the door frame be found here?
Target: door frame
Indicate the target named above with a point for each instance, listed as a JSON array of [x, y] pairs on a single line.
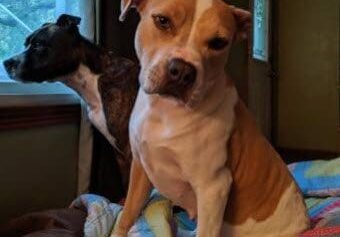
[[260, 79]]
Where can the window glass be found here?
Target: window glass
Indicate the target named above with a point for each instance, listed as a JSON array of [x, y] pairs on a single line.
[[18, 18], [261, 22]]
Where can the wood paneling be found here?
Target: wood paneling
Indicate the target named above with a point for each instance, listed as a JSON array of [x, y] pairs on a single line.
[[17, 117]]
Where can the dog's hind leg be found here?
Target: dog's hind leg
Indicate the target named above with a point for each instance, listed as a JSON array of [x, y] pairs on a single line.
[[138, 194]]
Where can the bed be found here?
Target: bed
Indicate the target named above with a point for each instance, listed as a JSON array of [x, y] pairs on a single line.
[[95, 216]]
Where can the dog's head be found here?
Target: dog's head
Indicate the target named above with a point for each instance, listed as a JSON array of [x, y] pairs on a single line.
[[51, 51], [183, 46]]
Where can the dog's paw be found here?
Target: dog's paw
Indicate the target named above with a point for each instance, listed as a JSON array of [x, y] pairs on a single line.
[[117, 235]]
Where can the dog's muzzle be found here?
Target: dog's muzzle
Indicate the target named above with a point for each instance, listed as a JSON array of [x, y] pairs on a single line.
[[181, 77], [10, 64]]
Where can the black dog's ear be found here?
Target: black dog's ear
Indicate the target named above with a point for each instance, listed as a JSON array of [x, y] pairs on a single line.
[[46, 24], [29, 38], [68, 20]]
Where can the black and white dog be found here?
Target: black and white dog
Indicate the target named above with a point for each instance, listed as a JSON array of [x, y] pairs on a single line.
[[58, 52]]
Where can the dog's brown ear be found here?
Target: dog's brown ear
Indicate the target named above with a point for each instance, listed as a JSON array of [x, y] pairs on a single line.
[[243, 20], [125, 7]]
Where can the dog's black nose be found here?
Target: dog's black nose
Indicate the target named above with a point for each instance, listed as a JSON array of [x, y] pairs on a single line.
[[10, 63], [181, 72]]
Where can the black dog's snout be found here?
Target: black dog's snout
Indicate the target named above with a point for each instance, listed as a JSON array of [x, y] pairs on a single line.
[[181, 72], [10, 63]]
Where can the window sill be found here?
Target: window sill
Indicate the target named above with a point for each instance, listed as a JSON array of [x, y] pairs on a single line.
[[30, 94], [8, 87], [35, 105]]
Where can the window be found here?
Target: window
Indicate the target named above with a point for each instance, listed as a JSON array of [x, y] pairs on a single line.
[[19, 18], [261, 30]]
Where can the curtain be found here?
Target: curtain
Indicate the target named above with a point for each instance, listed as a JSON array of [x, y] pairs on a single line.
[[115, 35], [85, 151], [88, 29], [88, 14]]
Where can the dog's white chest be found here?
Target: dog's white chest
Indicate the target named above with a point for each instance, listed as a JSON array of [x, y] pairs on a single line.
[[175, 144], [85, 83]]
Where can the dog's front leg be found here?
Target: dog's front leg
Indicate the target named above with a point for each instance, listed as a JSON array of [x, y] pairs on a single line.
[[138, 193], [212, 195]]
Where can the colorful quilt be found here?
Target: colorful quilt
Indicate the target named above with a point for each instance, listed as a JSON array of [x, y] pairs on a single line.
[[318, 178], [322, 211], [157, 219], [319, 181]]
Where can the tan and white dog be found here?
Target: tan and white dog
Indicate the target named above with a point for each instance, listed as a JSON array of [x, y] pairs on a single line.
[[191, 136]]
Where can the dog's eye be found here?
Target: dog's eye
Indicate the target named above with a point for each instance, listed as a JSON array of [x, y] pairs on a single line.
[[218, 43], [162, 22]]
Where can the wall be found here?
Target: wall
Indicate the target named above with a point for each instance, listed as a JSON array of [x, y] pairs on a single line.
[[38, 168], [308, 69]]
